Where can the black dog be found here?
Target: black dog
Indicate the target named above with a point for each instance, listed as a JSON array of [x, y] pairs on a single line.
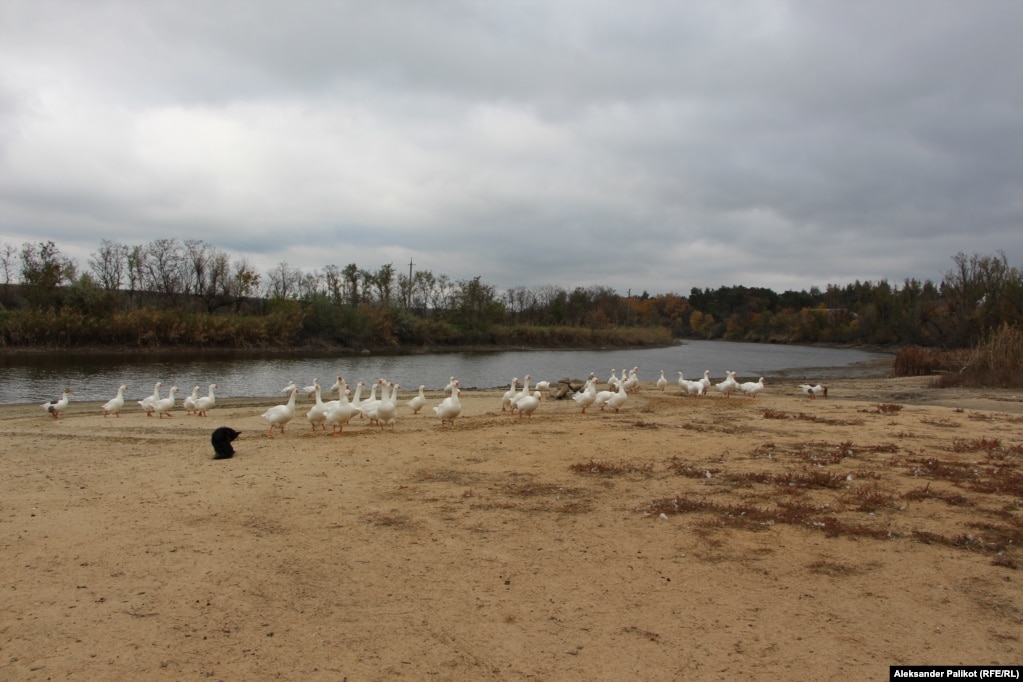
[[221, 440]]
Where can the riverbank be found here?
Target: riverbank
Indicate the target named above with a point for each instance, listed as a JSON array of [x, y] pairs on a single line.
[[712, 538]]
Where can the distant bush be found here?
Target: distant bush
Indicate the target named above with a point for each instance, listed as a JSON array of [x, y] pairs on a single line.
[[996, 361]]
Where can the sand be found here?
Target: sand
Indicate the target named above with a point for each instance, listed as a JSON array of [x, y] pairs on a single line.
[[681, 538]]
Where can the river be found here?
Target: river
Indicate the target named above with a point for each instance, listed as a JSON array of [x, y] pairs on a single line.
[[27, 378]]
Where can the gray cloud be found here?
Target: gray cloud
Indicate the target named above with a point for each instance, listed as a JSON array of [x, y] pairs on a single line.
[[656, 147]]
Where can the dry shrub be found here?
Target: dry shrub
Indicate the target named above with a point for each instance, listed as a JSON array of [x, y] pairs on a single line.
[[997, 361], [604, 468], [914, 361]]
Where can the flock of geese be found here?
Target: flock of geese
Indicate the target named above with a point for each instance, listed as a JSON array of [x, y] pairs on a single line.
[[382, 410]]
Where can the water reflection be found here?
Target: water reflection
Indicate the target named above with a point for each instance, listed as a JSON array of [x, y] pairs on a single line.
[[35, 378]]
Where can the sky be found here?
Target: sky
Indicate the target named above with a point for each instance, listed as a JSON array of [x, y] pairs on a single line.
[[643, 146]]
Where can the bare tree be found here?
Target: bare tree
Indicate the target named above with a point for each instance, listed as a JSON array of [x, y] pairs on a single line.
[[283, 281], [109, 263], [8, 256], [311, 284], [334, 281], [164, 268]]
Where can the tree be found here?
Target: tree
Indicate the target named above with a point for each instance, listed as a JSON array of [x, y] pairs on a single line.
[[283, 281], [383, 281], [164, 269], [108, 264], [43, 270], [8, 256], [973, 291], [243, 282]]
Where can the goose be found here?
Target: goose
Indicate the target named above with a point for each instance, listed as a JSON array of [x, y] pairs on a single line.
[[662, 383], [452, 383], [147, 402], [618, 399], [751, 388], [705, 381], [585, 397], [114, 405], [521, 394], [729, 385], [340, 414], [416, 402], [291, 385], [309, 390], [612, 381], [280, 415], [164, 406], [387, 410], [450, 407], [341, 387], [528, 404], [55, 406], [368, 406], [690, 387], [206, 402], [632, 382], [543, 386], [189, 402], [317, 414], [603, 396], [509, 395], [814, 391]]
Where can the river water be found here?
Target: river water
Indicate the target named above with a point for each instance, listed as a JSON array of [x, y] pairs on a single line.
[[27, 378]]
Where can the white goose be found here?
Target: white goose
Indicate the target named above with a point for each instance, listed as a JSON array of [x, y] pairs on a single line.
[[417, 402], [603, 396], [189, 402], [450, 385], [114, 405], [618, 399], [450, 407], [697, 388], [662, 383], [340, 414], [387, 410], [164, 406], [148, 402], [522, 393], [814, 391], [370, 404], [705, 381], [280, 415], [527, 405], [55, 406], [751, 388], [206, 402], [317, 414], [729, 385], [587, 395], [509, 396], [632, 382]]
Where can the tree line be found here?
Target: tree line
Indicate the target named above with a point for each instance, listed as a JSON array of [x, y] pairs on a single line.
[[169, 292]]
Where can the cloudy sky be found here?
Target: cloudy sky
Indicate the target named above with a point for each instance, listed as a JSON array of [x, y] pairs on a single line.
[[645, 145]]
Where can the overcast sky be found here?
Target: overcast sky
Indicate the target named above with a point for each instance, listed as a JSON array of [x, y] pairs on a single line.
[[644, 145]]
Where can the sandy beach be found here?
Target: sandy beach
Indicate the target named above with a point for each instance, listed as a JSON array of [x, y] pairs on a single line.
[[680, 538]]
